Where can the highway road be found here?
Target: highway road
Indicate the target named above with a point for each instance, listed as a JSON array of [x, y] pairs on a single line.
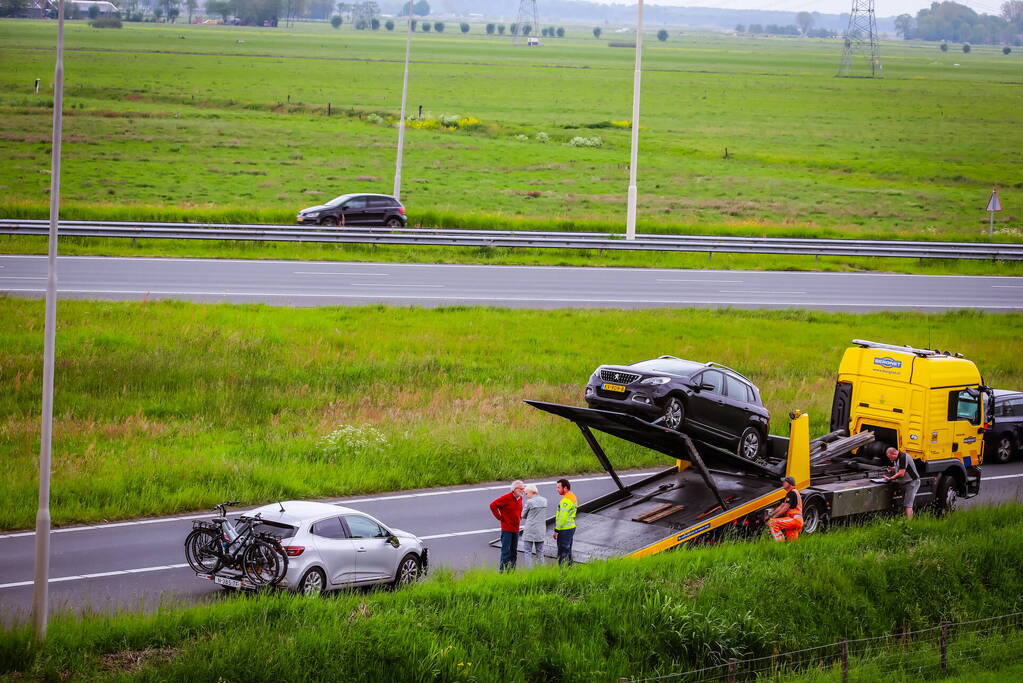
[[139, 564], [305, 283]]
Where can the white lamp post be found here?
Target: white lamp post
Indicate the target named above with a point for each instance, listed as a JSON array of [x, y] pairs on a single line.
[[630, 221], [404, 99], [40, 596]]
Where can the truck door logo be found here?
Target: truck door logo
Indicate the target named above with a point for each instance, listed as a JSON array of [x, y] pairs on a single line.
[[888, 362]]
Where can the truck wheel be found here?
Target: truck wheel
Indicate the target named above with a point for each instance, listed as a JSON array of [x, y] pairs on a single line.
[[946, 498], [815, 518], [1003, 450]]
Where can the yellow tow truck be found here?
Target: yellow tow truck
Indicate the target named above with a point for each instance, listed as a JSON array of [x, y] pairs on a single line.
[[928, 403]]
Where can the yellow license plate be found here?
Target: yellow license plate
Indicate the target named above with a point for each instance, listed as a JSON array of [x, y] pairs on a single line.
[[613, 387]]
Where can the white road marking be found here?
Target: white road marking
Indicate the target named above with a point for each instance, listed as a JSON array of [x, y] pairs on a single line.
[[525, 299], [1001, 476], [732, 282], [738, 291], [377, 284], [325, 272], [1007, 286], [20, 277], [457, 533], [338, 501], [80, 577]]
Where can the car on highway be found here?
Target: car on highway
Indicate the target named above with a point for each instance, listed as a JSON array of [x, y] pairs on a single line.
[[330, 547], [708, 401], [356, 209], [1005, 437]]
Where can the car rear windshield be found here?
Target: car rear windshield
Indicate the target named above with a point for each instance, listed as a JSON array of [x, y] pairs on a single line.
[[672, 366], [278, 530]]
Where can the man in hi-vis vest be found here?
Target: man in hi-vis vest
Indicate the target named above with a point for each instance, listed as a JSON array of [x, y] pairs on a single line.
[[564, 521], [787, 519]]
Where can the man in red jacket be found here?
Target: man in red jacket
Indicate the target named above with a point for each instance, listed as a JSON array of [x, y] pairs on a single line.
[[508, 511]]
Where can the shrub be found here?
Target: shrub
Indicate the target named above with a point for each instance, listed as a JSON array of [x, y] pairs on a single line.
[[1006, 50], [414, 24], [527, 29], [543, 32], [596, 32], [469, 123], [943, 47], [500, 29], [350, 440], [579, 141], [464, 27], [374, 118], [389, 25], [361, 25], [513, 29], [543, 138], [335, 21], [521, 138], [966, 48], [561, 32], [426, 27], [662, 35], [374, 24], [438, 26], [490, 29], [106, 22]]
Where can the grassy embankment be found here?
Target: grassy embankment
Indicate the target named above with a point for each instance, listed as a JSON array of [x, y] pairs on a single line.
[[228, 124], [659, 615], [165, 407]]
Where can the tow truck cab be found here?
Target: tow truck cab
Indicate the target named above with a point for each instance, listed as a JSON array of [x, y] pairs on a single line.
[[928, 403]]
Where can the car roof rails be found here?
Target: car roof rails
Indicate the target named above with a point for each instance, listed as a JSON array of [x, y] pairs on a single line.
[[672, 357], [712, 364], [922, 353]]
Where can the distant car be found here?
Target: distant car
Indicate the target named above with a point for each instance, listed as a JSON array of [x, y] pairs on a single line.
[[1005, 438], [356, 209], [331, 547], [708, 401]]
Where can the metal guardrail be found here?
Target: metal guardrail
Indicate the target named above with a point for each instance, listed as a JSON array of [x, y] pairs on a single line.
[[1000, 251]]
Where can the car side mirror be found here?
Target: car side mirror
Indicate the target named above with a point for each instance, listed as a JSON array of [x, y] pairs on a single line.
[[393, 540]]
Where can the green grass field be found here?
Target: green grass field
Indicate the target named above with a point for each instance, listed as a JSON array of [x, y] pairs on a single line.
[[660, 615], [165, 407], [229, 123]]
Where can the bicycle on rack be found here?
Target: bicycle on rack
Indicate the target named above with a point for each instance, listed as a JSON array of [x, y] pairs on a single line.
[[221, 544]]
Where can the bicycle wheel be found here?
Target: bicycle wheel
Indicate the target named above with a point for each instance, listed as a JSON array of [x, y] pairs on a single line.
[[264, 564], [201, 551]]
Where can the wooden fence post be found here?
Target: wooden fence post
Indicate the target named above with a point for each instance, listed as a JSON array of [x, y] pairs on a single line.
[[944, 646], [733, 665], [843, 650]]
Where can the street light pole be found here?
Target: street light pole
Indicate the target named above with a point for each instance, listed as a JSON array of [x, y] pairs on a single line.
[[630, 221], [404, 99], [40, 597]]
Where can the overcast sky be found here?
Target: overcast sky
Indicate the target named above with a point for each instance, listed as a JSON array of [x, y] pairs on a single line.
[[883, 8]]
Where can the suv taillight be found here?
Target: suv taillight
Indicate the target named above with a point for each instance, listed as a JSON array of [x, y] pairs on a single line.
[[294, 550], [401, 210]]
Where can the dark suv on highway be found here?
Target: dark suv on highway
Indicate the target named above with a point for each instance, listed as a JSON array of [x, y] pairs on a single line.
[[1005, 437], [708, 401], [356, 209]]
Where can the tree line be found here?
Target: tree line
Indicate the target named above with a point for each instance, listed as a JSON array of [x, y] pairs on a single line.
[[950, 21]]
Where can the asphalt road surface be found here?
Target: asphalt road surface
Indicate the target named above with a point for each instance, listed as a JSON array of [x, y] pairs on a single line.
[[304, 283], [139, 564]]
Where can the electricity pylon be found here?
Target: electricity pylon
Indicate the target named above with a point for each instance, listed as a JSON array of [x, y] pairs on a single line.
[[528, 16], [861, 39]]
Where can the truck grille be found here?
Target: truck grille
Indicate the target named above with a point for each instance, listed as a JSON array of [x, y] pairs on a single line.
[[618, 376]]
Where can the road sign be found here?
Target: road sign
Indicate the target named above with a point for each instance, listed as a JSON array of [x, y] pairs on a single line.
[[994, 204]]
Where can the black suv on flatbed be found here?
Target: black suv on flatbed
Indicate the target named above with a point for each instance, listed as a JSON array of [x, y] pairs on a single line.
[[708, 401], [356, 209]]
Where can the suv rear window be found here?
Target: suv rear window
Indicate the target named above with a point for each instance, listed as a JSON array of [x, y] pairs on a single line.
[[380, 201]]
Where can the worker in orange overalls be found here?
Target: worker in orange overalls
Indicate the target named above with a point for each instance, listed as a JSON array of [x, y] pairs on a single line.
[[786, 521]]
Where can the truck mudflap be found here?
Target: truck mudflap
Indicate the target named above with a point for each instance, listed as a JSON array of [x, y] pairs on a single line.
[[972, 481]]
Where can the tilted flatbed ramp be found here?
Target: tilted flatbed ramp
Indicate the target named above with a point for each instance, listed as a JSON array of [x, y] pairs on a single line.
[[676, 505]]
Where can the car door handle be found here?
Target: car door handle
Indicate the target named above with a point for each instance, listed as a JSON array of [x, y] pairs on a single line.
[[361, 550]]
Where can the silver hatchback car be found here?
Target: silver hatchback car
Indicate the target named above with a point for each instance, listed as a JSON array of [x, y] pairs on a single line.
[[330, 547]]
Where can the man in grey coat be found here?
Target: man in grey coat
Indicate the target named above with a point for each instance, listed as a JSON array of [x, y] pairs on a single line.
[[534, 526]]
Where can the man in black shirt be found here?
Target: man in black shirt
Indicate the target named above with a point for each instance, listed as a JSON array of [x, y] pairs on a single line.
[[903, 473], [787, 519]]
